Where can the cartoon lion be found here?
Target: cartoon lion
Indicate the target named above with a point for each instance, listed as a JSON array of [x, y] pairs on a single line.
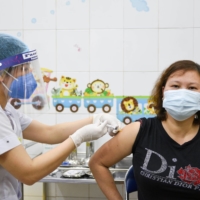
[[68, 86], [150, 107], [129, 104]]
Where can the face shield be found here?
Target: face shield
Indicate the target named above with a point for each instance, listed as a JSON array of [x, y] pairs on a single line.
[[23, 82]]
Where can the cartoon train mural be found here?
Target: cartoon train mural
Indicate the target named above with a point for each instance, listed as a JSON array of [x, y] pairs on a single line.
[[97, 95], [130, 108], [125, 113]]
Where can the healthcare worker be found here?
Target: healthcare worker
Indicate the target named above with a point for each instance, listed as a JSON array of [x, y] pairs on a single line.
[[18, 69]]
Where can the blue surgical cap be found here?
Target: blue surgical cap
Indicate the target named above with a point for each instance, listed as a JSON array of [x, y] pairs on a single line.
[[11, 46]]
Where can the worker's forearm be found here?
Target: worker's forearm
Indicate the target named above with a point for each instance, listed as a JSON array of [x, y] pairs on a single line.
[[61, 132], [44, 164]]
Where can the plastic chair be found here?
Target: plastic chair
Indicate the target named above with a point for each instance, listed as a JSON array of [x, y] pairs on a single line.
[[129, 182]]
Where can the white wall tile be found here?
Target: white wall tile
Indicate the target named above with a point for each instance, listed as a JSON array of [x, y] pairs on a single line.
[[196, 13], [11, 15], [174, 14], [39, 14], [16, 33], [106, 14], [141, 50], [175, 44], [197, 45], [106, 50], [72, 14], [73, 50], [44, 42], [141, 14], [139, 83]]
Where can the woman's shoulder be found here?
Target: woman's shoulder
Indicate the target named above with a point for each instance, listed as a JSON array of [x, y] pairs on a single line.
[[148, 126], [148, 121], [147, 130]]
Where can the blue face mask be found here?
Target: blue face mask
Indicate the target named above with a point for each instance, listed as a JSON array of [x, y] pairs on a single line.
[[181, 104], [23, 87]]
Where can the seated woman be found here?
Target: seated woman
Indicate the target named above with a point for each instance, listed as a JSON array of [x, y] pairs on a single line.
[[165, 148]]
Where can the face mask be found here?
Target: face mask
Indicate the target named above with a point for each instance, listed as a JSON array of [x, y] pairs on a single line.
[[182, 103], [23, 87]]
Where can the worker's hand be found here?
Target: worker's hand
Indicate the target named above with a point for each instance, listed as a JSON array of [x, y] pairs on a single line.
[[113, 124], [89, 132]]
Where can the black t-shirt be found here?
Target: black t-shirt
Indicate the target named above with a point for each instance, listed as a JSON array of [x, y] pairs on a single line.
[[165, 170]]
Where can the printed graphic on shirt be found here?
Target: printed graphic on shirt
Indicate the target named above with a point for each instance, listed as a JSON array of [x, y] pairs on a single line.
[[189, 176]]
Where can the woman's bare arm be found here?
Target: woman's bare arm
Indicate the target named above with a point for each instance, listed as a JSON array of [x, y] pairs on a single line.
[[109, 154]]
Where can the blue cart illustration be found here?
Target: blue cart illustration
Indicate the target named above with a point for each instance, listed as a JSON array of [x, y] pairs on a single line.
[[142, 110], [91, 103], [72, 102]]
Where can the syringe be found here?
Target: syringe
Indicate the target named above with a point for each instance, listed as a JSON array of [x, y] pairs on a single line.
[[113, 129]]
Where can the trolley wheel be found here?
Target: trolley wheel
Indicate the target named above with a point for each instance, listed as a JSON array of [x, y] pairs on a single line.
[[91, 108], [74, 108], [39, 102], [106, 108], [59, 107], [127, 120], [16, 103]]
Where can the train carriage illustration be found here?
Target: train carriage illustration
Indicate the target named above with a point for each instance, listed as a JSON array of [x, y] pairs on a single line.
[[72, 102], [97, 95], [131, 108], [91, 103]]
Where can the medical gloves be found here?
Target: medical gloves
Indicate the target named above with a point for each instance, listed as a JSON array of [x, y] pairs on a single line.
[[113, 124], [89, 132]]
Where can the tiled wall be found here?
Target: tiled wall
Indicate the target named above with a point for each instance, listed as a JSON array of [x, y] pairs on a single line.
[[126, 43]]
